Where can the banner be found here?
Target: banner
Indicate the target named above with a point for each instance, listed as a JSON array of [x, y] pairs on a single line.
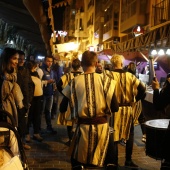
[[66, 47]]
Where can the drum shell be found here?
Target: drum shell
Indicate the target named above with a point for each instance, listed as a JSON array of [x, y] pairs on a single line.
[[157, 142]]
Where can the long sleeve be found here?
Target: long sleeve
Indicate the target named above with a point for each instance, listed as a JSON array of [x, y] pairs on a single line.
[[161, 99], [141, 92]]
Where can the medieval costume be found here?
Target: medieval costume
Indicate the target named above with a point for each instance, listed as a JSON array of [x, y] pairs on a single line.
[[127, 93], [91, 98]]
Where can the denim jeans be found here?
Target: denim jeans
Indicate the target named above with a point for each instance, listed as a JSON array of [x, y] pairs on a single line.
[[47, 106]]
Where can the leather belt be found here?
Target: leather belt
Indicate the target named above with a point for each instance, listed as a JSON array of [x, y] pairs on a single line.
[[93, 120]]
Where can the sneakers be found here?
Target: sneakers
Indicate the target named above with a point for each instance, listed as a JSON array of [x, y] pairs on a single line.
[[27, 147], [28, 138], [37, 137], [130, 164], [144, 138]]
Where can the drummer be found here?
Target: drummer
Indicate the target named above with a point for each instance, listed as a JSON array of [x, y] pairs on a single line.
[[161, 101]]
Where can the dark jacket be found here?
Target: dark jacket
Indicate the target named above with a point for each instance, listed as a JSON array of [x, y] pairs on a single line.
[[161, 100], [48, 89], [26, 84]]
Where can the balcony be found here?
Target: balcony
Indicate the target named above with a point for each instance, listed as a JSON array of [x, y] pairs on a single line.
[[132, 15], [160, 13]]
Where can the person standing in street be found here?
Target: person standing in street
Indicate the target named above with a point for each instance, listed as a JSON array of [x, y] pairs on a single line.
[[48, 91], [161, 101], [138, 105], [62, 83], [11, 97], [129, 90], [26, 85], [92, 100], [34, 116], [99, 68]]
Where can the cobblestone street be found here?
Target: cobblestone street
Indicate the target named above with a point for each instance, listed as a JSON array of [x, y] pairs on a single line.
[[51, 154]]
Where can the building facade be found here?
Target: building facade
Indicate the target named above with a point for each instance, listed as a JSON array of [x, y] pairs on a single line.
[[111, 24]]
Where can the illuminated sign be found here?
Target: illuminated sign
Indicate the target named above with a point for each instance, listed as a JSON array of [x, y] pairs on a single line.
[[138, 30], [62, 33]]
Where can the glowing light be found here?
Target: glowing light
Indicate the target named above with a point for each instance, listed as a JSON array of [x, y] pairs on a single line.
[[168, 52], [62, 33], [41, 57], [154, 52], [161, 52], [91, 48]]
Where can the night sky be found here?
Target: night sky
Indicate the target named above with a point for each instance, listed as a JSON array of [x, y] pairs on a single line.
[[58, 17]]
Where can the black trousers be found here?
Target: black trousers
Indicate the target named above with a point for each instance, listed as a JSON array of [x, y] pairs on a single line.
[[22, 122], [129, 148], [69, 132], [141, 120], [34, 115]]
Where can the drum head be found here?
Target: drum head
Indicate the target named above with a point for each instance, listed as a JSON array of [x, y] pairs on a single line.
[[158, 123]]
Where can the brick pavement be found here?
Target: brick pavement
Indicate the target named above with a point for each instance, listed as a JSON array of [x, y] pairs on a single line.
[[51, 154]]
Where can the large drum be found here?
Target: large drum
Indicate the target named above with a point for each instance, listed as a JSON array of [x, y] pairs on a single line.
[[158, 138]]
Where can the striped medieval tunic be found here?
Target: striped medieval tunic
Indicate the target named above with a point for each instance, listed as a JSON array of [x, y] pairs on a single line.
[[90, 97], [126, 91]]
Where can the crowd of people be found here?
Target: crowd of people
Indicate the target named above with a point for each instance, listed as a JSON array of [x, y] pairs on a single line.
[[27, 92], [99, 107]]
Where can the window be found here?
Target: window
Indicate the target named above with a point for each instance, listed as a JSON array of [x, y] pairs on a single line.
[[116, 15]]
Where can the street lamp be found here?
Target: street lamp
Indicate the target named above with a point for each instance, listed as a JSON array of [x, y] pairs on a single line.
[[161, 52], [168, 51], [156, 53]]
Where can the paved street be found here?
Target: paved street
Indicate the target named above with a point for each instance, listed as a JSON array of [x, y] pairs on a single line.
[[51, 154]]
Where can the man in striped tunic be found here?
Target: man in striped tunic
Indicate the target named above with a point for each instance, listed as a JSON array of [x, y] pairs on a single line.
[[92, 97], [62, 117], [129, 90]]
